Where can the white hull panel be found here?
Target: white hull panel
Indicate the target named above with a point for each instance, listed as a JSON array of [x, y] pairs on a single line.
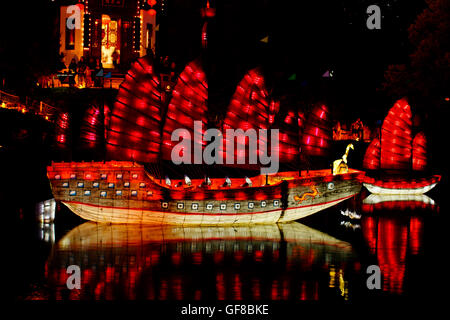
[[122, 215], [381, 190]]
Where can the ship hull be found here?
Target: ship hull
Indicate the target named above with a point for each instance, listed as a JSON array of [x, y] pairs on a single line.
[[137, 198]]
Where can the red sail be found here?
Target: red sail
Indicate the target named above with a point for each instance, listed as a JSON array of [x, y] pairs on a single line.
[[134, 127], [396, 137], [419, 152], [62, 129], [290, 133], [388, 239], [189, 103], [372, 156], [250, 108], [91, 128], [317, 135]]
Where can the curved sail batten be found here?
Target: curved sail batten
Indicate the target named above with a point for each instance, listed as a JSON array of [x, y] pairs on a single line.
[[372, 156], [250, 108], [396, 137], [317, 134], [290, 134], [62, 129], [91, 128], [134, 131], [419, 152], [189, 103]]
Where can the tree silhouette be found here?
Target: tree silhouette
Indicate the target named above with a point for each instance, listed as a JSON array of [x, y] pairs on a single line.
[[425, 79]]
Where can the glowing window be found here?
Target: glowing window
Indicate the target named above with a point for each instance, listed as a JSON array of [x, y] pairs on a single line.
[[80, 184], [72, 193], [164, 205], [142, 185], [195, 206], [251, 205], [58, 177], [126, 184], [276, 203], [87, 192], [180, 205], [134, 193], [103, 176], [110, 185], [135, 176], [118, 192], [209, 206], [223, 206], [263, 204], [95, 185], [103, 194], [65, 184], [73, 176], [119, 176], [237, 206]]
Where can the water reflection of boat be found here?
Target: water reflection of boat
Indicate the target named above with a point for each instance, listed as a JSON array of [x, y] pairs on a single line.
[[172, 262], [375, 202]]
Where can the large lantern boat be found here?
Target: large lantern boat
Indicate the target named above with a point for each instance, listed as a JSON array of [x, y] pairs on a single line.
[[138, 132], [398, 160]]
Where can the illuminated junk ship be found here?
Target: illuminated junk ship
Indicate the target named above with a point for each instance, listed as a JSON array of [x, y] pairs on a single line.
[[397, 155], [140, 126]]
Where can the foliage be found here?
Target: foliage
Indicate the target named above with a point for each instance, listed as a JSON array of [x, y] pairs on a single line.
[[426, 76]]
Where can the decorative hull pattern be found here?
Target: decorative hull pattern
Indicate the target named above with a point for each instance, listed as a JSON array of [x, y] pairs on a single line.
[[123, 192], [404, 187]]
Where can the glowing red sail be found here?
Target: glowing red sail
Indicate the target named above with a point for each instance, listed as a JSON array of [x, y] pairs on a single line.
[[372, 156], [189, 103], [91, 127], [396, 137], [62, 129], [419, 152], [250, 108], [134, 128], [318, 134]]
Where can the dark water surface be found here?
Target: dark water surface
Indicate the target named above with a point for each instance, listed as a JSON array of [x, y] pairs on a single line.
[[322, 257]]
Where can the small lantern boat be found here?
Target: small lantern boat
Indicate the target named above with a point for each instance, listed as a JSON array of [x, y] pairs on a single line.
[[400, 158]]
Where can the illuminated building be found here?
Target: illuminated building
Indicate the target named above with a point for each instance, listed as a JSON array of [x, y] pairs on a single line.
[[126, 27]]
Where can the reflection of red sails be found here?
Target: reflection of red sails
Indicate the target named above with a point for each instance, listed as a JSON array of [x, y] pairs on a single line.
[[143, 262], [398, 151], [390, 239]]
